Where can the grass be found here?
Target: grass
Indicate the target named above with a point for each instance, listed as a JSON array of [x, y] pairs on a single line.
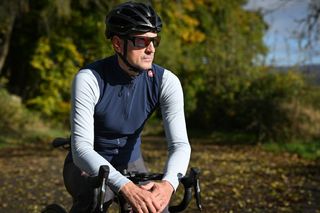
[[305, 149], [31, 136], [309, 150], [5, 141], [223, 137]]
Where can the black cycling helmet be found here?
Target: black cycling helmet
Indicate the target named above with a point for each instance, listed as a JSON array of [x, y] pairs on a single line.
[[132, 17]]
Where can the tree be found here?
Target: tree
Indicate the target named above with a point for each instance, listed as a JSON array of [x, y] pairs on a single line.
[[218, 43], [211, 45], [9, 10], [307, 27], [50, 42], [310, 26]]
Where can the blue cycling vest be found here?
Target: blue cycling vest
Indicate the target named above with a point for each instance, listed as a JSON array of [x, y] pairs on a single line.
[[124, 105]]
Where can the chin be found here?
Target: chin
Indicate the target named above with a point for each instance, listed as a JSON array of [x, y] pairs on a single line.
[[146, 66]]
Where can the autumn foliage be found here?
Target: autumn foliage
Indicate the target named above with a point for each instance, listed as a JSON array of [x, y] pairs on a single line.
[[214, 46]]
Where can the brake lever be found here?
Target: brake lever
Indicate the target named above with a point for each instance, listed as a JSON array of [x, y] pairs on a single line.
[[196, 185], [103, 177], [61, 142], [192, 180]]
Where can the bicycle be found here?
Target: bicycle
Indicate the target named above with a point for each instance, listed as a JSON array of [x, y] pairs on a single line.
[[99, 183]]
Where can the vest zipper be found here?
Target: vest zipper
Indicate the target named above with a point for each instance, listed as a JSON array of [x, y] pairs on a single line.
[[128, 99]]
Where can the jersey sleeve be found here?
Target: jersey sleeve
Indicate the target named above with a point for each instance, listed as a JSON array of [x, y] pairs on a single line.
[[85, 95], [172, 110]]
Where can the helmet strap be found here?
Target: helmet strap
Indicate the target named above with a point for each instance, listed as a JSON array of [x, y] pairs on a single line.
[[124, 58]]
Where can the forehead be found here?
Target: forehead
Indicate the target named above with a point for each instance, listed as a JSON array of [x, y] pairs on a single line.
[[148, 34]]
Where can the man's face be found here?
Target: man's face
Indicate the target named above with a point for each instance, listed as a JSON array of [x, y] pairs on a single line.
[[141, 49]]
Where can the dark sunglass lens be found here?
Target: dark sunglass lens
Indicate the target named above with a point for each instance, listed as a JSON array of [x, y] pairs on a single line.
[[156, 41], [140, 42], [143, 42]]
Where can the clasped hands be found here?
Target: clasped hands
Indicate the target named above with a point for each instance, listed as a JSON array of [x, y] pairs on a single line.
[[152, 197]]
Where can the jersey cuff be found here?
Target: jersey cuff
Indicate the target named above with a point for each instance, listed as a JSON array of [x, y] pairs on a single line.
[[173, 179]]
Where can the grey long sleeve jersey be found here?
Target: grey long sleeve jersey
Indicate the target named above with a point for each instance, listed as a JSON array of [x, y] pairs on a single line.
[[85, 96]]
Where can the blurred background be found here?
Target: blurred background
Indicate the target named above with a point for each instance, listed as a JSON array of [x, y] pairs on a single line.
[[250, 70], [292, 36], [247, 67]]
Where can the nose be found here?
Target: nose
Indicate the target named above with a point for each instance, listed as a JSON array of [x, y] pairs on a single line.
[[150, 48]]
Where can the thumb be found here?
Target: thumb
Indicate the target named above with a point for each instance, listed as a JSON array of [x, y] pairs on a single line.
[[148, 186]]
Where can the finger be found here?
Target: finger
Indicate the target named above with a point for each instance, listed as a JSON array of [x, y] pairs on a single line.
[[138, 210], [150, 207], [153, 204], [148, 186], [157, 203], [145, 209], [141, 208]]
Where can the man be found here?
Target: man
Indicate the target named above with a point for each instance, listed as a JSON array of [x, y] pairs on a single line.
[[111, 100]]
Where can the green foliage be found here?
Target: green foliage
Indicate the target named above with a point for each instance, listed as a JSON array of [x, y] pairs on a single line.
[[261, 107], [56, 62], [14, 117], [308, 150], [53, 39], [204, 42], [209, 44], [311, 97], [21, 126], [213, 46], [258, 105], [11, 113]]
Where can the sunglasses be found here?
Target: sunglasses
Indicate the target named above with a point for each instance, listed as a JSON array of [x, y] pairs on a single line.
[[142, 42]]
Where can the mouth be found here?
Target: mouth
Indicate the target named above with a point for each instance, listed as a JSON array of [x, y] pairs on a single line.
[[148, 59]]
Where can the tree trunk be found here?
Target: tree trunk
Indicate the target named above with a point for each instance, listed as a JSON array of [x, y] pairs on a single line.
[[5, 36]]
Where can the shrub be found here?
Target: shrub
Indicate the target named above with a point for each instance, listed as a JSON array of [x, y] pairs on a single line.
[[263, 108], [15, 118], [56, 62], [304, 120], [268, 105], [11, 113]]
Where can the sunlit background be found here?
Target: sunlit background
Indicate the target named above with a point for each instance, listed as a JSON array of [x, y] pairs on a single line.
[[286, 19]]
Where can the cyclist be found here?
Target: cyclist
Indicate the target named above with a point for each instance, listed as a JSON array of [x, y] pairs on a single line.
[[112, 99]]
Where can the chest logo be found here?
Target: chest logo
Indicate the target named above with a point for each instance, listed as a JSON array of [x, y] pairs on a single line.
[[150, 73]]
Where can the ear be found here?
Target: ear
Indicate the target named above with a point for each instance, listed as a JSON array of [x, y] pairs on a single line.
[[117, 44]]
